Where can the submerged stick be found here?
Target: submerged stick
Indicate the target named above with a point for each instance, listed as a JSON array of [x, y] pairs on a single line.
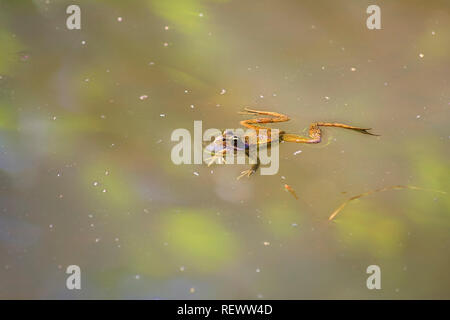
[[289, 188], [399, 187]]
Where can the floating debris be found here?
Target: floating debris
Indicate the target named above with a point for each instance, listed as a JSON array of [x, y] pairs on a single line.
[[143, 97], [288, 188], [297, 152], [398, 187]]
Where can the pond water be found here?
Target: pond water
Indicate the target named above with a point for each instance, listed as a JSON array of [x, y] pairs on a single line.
[[86, 176]]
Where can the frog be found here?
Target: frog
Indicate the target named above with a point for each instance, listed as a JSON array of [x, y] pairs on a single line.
[[230, 141]]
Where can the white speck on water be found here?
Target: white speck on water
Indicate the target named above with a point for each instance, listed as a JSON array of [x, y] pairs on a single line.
[[274, 95], [104, 190], [327, 98], [418, 116], [116, 239], [95, 183], [90, 216], [83, 42], [137, 277], [294, 225], [143, 97], [54, 118], [196, 173], [182, 268], [297, 152], [151, 63], [166, 27], [106, 172], [258, 270], [283, 177], [223, 91], [421, 55], [259, 296], [91, 225], [261, 96], [166, 44], [97, 239], [162, 115], [200, 14], [119, 19], [266, 243], [192, 106], [353, 69], [50, 226]]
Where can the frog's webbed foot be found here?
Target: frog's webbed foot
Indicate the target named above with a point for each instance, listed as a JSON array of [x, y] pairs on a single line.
[[247, 173], [345, 126], [365, 131], [212, 159]]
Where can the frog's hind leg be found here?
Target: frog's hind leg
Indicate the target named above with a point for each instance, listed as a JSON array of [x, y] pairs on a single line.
[[315, 134], [256, 123]]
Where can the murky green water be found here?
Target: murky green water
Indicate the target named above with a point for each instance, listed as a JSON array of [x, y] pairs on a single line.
[[86, 176]]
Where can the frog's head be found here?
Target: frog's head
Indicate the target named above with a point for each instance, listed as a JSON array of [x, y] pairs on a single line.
[[227, 141]]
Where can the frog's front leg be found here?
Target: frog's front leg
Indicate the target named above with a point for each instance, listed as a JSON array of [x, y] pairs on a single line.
[[250, 171]]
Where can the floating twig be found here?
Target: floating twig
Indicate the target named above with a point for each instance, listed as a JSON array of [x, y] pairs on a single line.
[[289, 188], [398, 187]]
